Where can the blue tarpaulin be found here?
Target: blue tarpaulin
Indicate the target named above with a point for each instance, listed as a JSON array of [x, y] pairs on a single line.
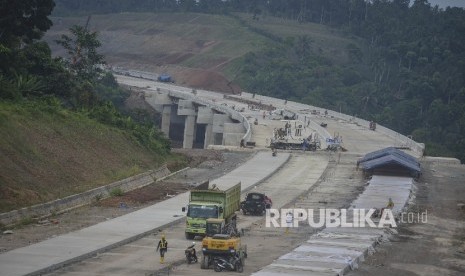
[[390, 159], [388, 151]]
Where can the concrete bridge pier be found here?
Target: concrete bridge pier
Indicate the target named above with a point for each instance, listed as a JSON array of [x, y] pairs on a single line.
[[189, 110], [166, 120], [162, 103], [208, 136], [193, 123], [205, 117], [189, 132]]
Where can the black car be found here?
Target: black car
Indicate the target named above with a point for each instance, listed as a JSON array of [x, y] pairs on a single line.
[[255, 204]]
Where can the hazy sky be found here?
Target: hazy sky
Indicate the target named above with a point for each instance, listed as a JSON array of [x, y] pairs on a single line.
[[444, 3]]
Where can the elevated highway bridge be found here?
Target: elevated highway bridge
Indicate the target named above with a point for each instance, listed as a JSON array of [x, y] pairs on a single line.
[[228, 118]]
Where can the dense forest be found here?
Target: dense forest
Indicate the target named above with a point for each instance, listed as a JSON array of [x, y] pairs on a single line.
[[407, 73]]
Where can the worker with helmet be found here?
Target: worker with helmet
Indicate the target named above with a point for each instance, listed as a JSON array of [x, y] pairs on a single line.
[[163, 247], [390, 204]]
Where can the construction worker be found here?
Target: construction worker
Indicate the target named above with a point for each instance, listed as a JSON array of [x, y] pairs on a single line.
[[163, 247], [390, 204]]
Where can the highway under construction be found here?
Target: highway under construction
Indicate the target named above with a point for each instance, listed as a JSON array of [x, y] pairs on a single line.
[[327, 178]]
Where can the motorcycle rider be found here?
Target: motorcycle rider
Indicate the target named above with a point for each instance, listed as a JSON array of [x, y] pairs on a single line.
[[192, 250]]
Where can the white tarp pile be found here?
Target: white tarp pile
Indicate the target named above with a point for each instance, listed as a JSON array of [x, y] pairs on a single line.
[[335, 251]]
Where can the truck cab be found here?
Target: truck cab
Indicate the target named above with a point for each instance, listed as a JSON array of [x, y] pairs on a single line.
[[197, 215], [211, 203]]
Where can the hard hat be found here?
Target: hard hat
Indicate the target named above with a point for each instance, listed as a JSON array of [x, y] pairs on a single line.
[[193, 243], [163, 236]]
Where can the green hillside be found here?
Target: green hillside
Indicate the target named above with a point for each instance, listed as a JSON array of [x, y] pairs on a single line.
[[48, 152], [65, 124]]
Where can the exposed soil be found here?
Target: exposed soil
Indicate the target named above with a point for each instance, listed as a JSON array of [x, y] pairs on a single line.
[[149, 45], [205, 164]]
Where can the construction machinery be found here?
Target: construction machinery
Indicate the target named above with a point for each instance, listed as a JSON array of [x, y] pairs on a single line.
[[334, 143], [212, 203], [294, 136], [220, 242], [372, 125], [282, 114]]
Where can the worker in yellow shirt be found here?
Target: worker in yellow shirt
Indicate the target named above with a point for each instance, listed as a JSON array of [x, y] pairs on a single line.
[[163, 247], [390, 204]]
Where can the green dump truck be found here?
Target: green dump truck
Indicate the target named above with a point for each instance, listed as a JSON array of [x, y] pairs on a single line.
[[212, 203]]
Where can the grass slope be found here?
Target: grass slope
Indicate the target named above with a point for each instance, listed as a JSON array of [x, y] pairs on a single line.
[[48, 153]]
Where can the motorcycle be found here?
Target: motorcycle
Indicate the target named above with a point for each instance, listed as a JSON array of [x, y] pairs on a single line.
[[191, 256], [234, 263]]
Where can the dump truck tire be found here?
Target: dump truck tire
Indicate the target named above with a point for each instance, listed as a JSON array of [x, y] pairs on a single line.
[[204, 262]]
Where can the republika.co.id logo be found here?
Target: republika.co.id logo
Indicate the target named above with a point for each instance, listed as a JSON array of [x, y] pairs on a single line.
[[338, 218]]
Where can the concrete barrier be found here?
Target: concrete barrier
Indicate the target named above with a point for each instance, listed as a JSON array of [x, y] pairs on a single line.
[[88, 197], [441, 160]]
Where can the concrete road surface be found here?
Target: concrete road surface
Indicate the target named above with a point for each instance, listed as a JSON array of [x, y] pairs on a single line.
[[293, 181]]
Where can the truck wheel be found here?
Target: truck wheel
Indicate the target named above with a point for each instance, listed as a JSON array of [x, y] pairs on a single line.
[[239, 267], [204, 262], [243, 259], [190, 236]]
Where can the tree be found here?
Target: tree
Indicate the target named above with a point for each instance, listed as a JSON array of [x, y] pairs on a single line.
[[24, 21], [84, 60], [23, 60], [303, 47]]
